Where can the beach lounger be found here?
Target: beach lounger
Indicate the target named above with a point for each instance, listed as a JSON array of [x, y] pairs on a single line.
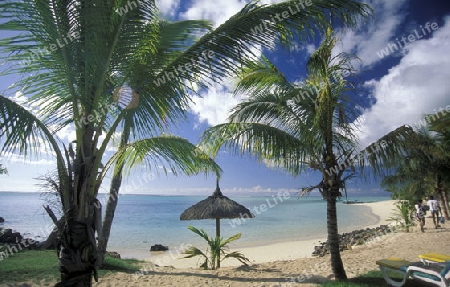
[[437, 274], [429, 258]]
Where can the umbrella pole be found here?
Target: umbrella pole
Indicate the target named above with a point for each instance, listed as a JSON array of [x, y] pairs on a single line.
[[218, 236]]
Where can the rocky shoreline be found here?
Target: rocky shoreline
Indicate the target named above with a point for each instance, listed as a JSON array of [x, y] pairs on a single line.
[[354, 238], [13, 242]]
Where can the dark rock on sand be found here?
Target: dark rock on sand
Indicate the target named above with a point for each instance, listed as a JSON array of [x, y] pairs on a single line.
[[7, 236], [357, 237], [15, 242], [159, 247]]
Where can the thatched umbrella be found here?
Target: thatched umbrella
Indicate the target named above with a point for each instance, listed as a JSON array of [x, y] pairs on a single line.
[[216, 206]]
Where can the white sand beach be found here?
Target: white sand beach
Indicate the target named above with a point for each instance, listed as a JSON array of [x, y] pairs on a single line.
[[290, 263]]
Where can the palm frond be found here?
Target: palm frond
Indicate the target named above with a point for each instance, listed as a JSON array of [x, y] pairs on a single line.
[[263, 141], [174, 154], [261, 76], [239, 256], [200, 232], [22, 132], [193, 251], [230, 239], [384, 154]]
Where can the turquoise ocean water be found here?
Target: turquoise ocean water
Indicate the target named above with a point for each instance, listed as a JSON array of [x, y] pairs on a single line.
[[143, 220]]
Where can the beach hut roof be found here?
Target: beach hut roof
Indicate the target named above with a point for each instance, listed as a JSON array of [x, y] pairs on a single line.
[[216, 206]]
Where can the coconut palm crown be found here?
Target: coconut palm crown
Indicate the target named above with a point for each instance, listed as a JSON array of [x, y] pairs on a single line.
[[308, 125]]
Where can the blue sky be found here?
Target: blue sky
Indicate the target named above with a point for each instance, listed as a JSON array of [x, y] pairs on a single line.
[[403, 75]]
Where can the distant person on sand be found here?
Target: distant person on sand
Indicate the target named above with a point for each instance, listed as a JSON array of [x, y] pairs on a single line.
[[420, 214], [434, 209]]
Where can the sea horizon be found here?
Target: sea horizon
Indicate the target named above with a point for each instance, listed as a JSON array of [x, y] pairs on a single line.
[[144, 220]]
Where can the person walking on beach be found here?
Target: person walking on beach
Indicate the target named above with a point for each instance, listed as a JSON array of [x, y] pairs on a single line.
[[434, 209], [420, 214]]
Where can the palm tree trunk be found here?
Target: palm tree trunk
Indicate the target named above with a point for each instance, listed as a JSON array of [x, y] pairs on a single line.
[[444, 203], [111, 205], [443, 197], [218, 247], [333, 238], [113, 197], [77, 251]]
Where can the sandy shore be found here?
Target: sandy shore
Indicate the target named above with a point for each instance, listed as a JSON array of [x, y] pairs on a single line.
[[298, 272], [290, 264], [287, 263]]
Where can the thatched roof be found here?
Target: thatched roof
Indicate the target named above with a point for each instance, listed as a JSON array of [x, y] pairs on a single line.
[[216, 206]]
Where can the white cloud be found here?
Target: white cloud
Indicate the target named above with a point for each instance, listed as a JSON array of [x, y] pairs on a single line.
[[19, 98], [217, 11], [14, 158], [168, 7], [418, 85], [375, 35], [213, 105], [67, 134]]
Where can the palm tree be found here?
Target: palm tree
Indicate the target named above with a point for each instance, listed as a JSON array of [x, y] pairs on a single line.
[[309, 125], [106, 71], [217, 250], [424, 171], [77, 241], [441, 126]]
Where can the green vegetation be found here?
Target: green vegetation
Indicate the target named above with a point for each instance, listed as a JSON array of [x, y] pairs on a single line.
[[217, 250], [38, 266], [425, 169], [402, 214]]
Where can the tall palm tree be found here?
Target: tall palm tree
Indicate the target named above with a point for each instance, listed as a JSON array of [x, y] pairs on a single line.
[[442, 127], [425, 170], [77, 249], [307, 125], [104, 69]]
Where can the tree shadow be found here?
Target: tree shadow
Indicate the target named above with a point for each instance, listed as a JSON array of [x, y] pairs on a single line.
[[272, 275]]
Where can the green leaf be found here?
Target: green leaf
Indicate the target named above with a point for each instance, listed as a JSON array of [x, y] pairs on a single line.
[[217, 246], [235, 237], [239, 256], [193, 251], [173, 153], [202, 233]]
